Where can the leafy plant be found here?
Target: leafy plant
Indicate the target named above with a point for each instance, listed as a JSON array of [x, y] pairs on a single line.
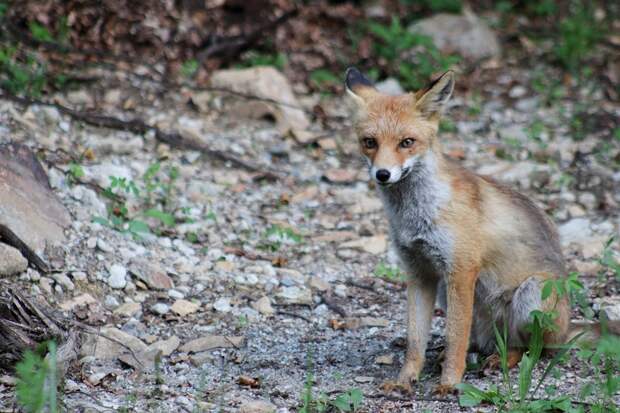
[[256, 58], [505, 398], [276, 236], [413, 56], [392, 273], [37, 384], [154, 194], [608, 261], [189, 68], [75, 172], [324, 79], [578, 34], [349, 401], [21, 73]]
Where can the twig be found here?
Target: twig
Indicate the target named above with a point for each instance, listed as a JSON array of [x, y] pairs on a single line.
[[232, 46], [294, 315], [138, 126]]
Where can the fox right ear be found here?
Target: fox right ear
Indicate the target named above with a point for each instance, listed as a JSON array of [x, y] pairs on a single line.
[[358, 86]]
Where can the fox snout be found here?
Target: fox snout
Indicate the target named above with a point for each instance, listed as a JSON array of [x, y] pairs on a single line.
[[389, 175]]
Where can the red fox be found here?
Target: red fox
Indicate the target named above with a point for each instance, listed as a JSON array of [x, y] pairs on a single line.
[[486, 248]]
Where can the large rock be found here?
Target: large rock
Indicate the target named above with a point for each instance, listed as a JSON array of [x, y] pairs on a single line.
[[31, 217], [464, 34], [267, 83]]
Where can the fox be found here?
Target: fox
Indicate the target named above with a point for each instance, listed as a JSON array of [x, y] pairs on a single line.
[[481, 248]]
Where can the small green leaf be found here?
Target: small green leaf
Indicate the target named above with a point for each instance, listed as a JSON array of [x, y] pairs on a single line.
[[137, 227], [164, 217]]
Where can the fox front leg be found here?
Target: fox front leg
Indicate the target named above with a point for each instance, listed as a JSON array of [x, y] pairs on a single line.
[[460, 296], [420, 303]]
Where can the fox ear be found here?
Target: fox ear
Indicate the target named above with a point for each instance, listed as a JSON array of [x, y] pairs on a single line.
[[358, 86], [431, 101]]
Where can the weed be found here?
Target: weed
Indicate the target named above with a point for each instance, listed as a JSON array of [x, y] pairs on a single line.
[[348, 401], [324, 79], [276, 236], [255, 58], [74, 173], [608, 261], [154, 193], [578, 34], [505, 398], [389, 272], [534, 133], [189, 68], [37, 384], [447, 126], [549, 88], [21, 73], [413, 55]]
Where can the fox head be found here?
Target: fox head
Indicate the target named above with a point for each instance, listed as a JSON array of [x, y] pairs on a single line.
[[397, 133]]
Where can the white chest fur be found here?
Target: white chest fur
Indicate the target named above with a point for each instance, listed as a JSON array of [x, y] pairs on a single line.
[[412, 205]]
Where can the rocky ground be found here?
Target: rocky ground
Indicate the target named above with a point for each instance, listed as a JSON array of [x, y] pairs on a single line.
[[259, 284]]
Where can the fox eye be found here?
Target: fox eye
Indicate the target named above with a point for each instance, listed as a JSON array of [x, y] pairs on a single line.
[[406, 143], [369, 143]]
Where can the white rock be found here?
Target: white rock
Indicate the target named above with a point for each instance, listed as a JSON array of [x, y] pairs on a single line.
[[390, 86], [222, 305], [160, 308], [117, 278], [464, 34]]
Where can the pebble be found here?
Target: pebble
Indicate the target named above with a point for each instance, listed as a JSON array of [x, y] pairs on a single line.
[[117, 278], [222, 305], [160, 308], [175, 294], [111, 301]]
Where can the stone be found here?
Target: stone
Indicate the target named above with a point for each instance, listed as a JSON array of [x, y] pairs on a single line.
[[341, 176], [211, 342], [184, 307], [82, 299], [366, 204], [257, 406], [387, 359], [319, 284], [263, 306], [268, 83], [167, 347], [128, 309], [63, 280], [295, 295], [31, 216], [100, 347], [574, 230], [160, 308], [151, 273], [464, 34], [117, 278], [390, 86], [610, 309], [11, 260], [376, 244], [341, 290], [222, 305]]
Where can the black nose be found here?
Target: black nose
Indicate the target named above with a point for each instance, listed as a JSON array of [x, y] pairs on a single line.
[[383, 175]]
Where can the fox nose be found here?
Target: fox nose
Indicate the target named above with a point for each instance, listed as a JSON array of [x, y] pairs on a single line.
[[383, 175]]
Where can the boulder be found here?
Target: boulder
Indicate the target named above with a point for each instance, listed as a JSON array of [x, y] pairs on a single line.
[[32, 219]]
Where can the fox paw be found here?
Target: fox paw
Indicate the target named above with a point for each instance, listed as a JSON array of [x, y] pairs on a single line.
[[443, 390], [392, 386]]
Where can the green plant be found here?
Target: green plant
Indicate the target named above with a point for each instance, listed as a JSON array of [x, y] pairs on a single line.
[[578, 34], [549, 88], [323, 79], [154, 196], [74, 173], [189, 68], [37, 384], [348, 401], [277, 235], [604, 364], [256, 58], [21, 73], [391, 273], [504, 397], [608, 261], [413, 56]]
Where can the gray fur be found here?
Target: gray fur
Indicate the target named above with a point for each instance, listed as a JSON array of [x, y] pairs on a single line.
[[412, 204]]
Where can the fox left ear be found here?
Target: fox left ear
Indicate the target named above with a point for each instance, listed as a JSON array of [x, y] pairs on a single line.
[[431, 101]]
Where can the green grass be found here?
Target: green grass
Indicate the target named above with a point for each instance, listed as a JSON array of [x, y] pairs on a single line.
[[389, 272], [256, 58], [603, 361], [37, 382]]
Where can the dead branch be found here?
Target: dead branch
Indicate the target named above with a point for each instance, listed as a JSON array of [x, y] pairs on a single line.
[[138, 126]]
